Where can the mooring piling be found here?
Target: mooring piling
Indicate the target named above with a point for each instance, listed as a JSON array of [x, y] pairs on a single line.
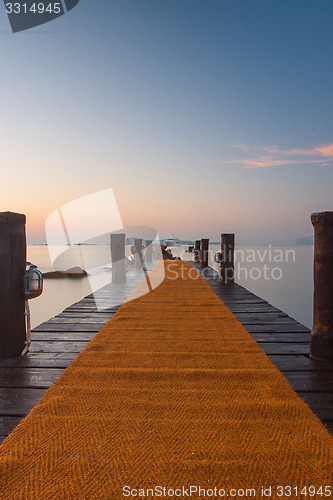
[[149, 251], [204, 252], [117, 241], [138, 252], [227, 263], [12, 271], [322, 332], [197, 246]]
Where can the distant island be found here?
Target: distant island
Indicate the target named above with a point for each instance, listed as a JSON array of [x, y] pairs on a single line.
[[306, 240]]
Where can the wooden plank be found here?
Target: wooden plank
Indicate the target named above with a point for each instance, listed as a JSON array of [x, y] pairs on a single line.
[[72, 327], [284, 348], [63, 336], [249, 300], [56, 346], [39, 360], [298, 338], [52, 355], [78, 319], [244, 294], [313, 381], [19, 402], [40, 378], [299, 363], [321, 403], [94, 315], [288, 328], [230, 295], [264, 319], [252, 308], [87, 309], [7, 425], [324, 414], [266, 308]]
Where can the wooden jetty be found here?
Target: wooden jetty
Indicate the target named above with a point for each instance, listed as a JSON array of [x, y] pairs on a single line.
[[173, 391], [57, 342]]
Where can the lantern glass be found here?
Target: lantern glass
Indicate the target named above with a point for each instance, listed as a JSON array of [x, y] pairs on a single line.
[[34, 283]]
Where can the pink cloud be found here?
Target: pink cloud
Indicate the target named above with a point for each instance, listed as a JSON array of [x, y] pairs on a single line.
[[272, 156], [326, 150]]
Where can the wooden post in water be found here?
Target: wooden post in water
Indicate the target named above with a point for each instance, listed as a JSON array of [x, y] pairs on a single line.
[[118, 258], [138, 253], [197, 245], [322, 332], [204, 253], [149, 251], [12, 271], [227, 264]]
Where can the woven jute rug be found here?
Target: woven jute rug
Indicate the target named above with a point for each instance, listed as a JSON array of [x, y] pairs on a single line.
[[172, 393]]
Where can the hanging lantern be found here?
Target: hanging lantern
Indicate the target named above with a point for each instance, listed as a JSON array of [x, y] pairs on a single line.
[[218, 257], [33, 283]]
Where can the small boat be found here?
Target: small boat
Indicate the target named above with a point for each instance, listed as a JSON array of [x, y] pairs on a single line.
[[172, 241]]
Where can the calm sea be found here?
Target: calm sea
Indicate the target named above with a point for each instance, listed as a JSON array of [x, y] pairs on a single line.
[[281, 275]]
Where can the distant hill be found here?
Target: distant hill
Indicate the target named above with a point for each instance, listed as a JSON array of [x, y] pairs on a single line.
[[306, 240]]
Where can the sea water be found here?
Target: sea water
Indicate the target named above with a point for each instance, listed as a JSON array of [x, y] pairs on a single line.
[[281, 275]]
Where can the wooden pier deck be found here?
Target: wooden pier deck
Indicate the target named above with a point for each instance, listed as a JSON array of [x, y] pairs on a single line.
[[57, 342], [174, 392]]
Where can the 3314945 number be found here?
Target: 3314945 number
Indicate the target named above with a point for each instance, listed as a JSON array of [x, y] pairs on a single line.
[[35, 8]]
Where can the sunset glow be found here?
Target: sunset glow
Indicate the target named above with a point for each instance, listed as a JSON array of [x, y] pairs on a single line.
[[199, 117]]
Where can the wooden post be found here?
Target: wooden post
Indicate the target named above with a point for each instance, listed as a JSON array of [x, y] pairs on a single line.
[[197, 245], [227, 264], [149, 251], [138, 253], [12, 270], [322, 332], [118, 258], [204, 253]]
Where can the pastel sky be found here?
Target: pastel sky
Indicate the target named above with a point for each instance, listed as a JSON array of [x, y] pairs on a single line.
[[203, 116]]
